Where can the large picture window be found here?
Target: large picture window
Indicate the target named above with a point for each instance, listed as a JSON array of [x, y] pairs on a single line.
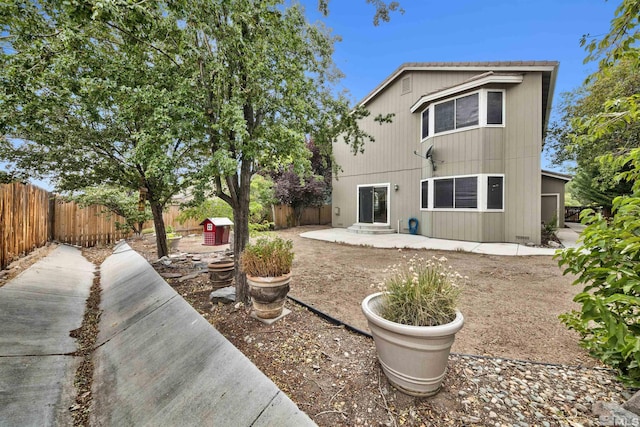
[[482, 108], [481, 192]]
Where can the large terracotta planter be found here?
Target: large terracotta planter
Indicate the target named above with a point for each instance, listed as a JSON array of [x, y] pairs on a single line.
[[221, 273], [414, 358], [268, 294]]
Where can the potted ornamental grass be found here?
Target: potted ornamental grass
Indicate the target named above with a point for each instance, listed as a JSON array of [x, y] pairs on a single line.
[[414, 321], [267, 264]]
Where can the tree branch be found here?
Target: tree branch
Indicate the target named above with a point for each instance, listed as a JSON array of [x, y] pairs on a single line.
[[162, 52]]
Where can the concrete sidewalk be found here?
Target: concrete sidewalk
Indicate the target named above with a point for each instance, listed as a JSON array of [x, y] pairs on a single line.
[[159, 363], [409, 241], [38, 309]]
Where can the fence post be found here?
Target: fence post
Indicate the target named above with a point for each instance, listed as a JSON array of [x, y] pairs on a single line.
[[52, 217]]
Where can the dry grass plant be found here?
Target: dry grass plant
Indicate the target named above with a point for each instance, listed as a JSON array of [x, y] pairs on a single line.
[[421, 293], [267, 257]]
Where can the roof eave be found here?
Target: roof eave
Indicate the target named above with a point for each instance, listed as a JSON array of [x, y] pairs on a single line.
[[549, 66], [513, 79]]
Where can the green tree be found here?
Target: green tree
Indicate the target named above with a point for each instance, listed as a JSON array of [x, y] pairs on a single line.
[[608, 263], [570, 140], [265, 81], [86, 103], [383, 9], [608, 267], [255, 76], [119, 201]]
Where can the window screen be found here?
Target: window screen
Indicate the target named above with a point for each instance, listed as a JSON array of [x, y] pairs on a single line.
[[495, 192], [494, 108], [467, 111], [444, 116], [424, 195], [425, 123], [466, 192], [443, 192]]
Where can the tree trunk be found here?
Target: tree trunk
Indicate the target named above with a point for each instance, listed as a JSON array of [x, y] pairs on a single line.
[[241, 197], [161, 234], [240, 240]]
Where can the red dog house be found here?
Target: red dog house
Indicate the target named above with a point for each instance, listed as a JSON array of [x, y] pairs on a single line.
[[216, 231]]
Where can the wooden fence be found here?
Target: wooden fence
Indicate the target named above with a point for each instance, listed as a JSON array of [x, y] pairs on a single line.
[[88, 226], [24, 220], [30, 216], [283, 216], [170, 215]]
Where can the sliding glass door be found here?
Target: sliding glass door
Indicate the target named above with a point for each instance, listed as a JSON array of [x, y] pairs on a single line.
[[373, 204]]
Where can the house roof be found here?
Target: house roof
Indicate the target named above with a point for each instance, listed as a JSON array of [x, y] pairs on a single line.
[[549, 71], [218, 221], [556, 175]]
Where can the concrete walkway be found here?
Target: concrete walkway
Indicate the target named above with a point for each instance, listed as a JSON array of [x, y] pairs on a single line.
[[38, 309], [157, 361], [409, 241]]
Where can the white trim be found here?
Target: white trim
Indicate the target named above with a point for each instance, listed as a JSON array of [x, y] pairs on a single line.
[[482, 182], [487, 67], [384, 184], [557, 196], [514, 79], [484, 99], [482, 113]]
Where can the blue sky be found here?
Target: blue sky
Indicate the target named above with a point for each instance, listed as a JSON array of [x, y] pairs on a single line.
[[463, 30]]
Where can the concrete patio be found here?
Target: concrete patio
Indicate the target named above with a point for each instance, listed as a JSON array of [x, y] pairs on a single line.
[[568, 236]]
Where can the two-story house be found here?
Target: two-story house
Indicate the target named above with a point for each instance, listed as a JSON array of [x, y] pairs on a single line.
[[461, 159]]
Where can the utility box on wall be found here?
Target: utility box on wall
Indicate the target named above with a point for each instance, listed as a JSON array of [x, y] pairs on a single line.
[[216, 231]]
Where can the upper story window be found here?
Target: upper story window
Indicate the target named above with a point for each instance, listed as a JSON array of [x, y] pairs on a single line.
[[482, 108]]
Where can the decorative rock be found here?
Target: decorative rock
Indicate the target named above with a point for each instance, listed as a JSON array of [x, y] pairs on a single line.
[[190, 276], [633, 404], [224, 295], [171, 275], [610, 414]]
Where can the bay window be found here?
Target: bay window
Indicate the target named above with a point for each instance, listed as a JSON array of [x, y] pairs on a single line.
[[482, 108]]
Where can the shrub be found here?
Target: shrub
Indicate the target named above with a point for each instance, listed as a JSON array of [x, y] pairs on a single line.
[[608, 267], [422, 293], [267, 257]]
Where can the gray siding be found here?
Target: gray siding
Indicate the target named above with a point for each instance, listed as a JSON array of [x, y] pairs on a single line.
[[523, 143], [551, 185]]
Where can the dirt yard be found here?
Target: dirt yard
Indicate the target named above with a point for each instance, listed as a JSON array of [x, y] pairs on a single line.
[[511, 304]]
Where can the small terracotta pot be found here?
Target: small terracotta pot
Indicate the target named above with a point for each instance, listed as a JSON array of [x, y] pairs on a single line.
[[268, 294], [221, 273]]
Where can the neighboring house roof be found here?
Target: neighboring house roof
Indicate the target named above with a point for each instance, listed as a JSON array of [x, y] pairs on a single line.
[[557, 175], [549, 71], [218, 221]]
